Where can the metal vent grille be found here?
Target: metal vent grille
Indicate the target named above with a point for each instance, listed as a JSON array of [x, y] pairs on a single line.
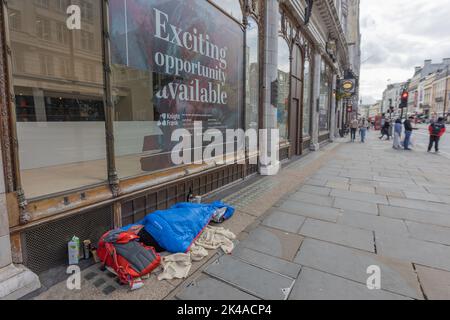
[[45, 246]]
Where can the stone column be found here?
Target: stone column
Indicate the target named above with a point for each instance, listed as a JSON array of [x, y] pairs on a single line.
[[15, 281], [316, 98], [270, 75], [333, 125]]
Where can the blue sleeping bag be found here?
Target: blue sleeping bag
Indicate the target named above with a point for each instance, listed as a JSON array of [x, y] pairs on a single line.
[[177, 228]]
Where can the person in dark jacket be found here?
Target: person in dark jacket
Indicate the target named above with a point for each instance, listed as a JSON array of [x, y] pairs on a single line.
[[437, 130], [385, 130], [408, 132]]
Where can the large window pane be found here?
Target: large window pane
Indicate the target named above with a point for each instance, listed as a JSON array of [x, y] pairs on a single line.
[[325, 95], [165, 80], [252, 93], [307, 98], [283, 88], [58, 84]]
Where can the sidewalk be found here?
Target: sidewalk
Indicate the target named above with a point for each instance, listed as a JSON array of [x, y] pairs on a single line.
[[312, 231], [370, 205]]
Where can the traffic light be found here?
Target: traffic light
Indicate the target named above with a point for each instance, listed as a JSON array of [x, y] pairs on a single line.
[[404, 99]]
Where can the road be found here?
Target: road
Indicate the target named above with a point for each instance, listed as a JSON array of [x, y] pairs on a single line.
[[422, 139]]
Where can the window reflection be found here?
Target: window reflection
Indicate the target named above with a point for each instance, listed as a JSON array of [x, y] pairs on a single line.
[[325, 97], [58, 86], [232, 7], [307, 76], [252, 92], [283, 88]]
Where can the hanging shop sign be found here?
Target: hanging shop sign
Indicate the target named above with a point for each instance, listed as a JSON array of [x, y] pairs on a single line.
[[348, 87]]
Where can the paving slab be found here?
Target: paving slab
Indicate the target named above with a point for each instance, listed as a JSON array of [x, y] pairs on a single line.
[[355, 205], [317, 285], [273, 242], [207, 288], [360, 196], [424, 253], [420, 205], [312, 199], [428, 232], [390, 192], [321, 191], [311, 211], [253, 280], [284, 221], [340, 234], [402, 181], [435, 283], [317, 182], [441, 191], [362, 188], [421, 216], [397, 276], [374, 223], [338, 185], [267, 262], [422, 196]]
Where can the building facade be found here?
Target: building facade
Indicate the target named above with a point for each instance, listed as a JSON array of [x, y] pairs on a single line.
[[392, 97], [89, 107], [420, 82], [440, 91]]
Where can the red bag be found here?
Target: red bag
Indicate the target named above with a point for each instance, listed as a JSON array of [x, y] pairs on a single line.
[[130, 259]]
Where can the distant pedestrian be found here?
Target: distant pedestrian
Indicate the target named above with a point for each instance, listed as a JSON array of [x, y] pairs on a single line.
[[408, 133], [353, 128], [437, 130], [398, 128], [385, 130], [363, 127]]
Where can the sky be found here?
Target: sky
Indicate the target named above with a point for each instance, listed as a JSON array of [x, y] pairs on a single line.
[[398, 35]]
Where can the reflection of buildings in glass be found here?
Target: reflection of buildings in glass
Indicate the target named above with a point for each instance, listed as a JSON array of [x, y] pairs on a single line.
[[252, 95], [306, 99], [133, 96], [283, 103], [324, 101], [58, 73]]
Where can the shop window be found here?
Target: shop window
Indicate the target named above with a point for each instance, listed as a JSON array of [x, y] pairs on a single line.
[[307, 81], [160, 85], [325, 97], [283, 88], [62, 5], [43, 28], [252, 86], [232, 7], [42, 3], [87, 41], [15, 20], [87, 10], [46, 63], [62, 34], [60, 118]]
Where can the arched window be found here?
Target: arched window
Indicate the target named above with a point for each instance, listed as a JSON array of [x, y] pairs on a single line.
[[284, 69], [252, 85]]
